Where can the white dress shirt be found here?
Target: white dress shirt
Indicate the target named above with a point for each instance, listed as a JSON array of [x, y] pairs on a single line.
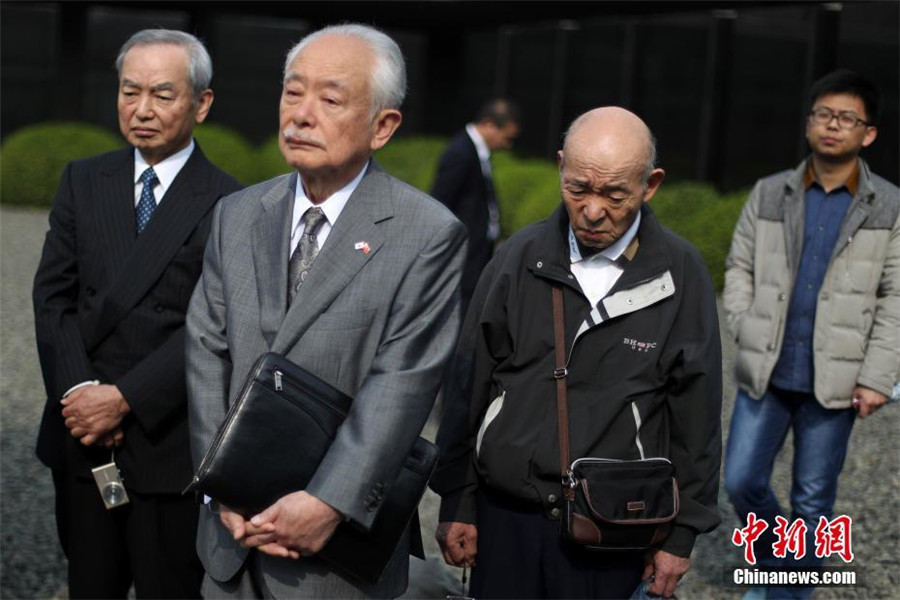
[[331, 206], [484, 153], [166, 170], [484, 157], [597, 274]]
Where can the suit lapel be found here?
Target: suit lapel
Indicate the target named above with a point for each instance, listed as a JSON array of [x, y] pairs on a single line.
[[114, 193], [353, 241], [271, 237], [179, 211]]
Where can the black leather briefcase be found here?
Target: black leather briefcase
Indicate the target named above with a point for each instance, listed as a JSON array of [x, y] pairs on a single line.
[[271, 443]]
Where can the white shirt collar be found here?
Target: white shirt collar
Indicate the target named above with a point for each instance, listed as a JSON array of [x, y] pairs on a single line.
[[484, 153], [611, 252], [331, 206], [166, 170]]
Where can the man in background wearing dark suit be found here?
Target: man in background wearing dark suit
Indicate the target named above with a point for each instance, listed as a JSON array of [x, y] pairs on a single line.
[[464, 183], [121, 258]]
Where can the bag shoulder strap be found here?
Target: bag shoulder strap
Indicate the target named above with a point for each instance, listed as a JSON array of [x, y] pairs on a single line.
[[560, 373]]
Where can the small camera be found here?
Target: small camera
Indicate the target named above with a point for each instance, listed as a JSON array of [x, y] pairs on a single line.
[[109, 482]]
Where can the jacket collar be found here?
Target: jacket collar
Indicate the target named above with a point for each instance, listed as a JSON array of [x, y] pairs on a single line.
[[549, 255], [796, 181], [339, 259], [646, 257], [852, 183]]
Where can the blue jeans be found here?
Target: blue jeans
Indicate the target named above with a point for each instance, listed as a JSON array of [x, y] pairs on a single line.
[[758, 430]]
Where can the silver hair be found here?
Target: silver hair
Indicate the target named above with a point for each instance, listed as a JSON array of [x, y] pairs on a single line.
[[388, 78], [200, 70]]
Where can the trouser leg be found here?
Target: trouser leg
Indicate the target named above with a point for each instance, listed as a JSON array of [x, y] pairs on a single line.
[[247, 584], [93, 539], [162, 531], [509, 545], [821, 437], [522, 555], [757, 433]]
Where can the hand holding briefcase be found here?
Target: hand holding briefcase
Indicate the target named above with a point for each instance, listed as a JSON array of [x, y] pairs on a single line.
[[272, 440]]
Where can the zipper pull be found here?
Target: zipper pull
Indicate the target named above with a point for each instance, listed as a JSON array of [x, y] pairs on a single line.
[[278, 385]]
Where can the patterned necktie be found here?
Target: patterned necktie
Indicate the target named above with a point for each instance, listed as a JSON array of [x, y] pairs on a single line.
[[305, 252], [147, 204]]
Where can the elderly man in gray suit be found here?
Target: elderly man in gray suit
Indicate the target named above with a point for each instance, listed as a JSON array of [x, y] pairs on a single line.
[[351, 274]]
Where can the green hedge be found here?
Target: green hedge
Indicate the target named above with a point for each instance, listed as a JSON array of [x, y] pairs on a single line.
[[32, 159], [412, 159], [228, 150], [269, 161], [527, 190], [698, 213]]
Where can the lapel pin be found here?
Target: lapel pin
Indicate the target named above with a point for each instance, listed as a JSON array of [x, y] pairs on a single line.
[[364, 246]]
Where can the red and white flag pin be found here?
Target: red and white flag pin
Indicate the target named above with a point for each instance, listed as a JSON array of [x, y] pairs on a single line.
[[364, 246]]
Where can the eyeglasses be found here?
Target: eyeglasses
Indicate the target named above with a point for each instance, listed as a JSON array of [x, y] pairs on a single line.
[[846, 119]]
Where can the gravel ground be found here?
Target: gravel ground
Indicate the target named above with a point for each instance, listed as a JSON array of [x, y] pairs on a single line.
[[32, 565]]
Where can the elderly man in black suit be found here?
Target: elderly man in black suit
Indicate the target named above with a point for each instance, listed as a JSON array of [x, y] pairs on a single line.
[[121, 258], [465, 184]]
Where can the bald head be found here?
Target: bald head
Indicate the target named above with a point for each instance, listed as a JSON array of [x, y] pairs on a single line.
[[612, 132], [606, 174]]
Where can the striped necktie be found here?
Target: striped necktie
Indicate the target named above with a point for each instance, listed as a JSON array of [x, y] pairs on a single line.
[[147, 204]]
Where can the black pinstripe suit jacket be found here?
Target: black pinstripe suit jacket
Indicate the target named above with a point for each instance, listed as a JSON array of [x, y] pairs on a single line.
[[110, 305]]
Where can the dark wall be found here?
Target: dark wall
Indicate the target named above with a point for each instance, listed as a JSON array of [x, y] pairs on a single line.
[[723, 90], [42, 82], [720, 83]]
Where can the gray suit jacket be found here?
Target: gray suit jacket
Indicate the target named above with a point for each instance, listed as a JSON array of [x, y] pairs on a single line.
[[378, 325]]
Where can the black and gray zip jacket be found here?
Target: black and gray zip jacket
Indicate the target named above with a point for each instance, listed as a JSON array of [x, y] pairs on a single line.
[[644, 375]]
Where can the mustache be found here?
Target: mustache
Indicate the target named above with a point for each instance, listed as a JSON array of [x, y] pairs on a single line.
[[293, 135]]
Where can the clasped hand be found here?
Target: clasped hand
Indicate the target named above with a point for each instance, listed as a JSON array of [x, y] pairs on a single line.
[[298, 524], [93, 414], [459, 543]]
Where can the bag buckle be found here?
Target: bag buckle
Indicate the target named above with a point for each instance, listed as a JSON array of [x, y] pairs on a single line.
[[568, 480], [560, 373]]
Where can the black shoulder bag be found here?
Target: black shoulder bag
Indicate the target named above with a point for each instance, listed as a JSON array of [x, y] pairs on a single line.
[[609, 504]]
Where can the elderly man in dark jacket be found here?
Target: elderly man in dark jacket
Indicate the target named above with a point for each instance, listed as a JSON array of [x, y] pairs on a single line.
[[644, 378]]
